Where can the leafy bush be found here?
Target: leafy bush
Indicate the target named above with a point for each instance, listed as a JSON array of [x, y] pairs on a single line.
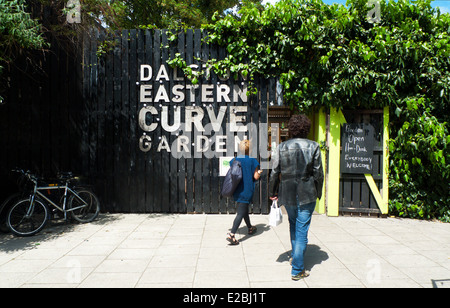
[[17, 29], [419, 164]]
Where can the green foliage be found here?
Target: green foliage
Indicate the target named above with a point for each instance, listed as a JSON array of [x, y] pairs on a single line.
[[420, 163], [159, 14], [17, 31], [17, 28], [153, 14], [187, 70], [329, 55]]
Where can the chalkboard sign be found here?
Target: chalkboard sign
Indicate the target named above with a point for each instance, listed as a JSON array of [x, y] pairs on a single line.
[[357, 148]]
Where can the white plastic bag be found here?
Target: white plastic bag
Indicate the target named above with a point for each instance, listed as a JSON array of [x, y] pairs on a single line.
[[275, 215]]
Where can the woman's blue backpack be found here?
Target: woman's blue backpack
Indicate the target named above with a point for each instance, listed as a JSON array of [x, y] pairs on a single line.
[[232, 179]]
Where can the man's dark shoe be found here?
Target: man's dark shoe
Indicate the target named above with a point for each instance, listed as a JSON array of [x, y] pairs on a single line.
[[301, 275]]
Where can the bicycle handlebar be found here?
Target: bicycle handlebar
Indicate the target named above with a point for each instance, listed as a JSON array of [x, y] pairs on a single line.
[[63, 176], [27, 173]]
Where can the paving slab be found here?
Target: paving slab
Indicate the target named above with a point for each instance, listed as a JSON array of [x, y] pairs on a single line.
[[190, 251]]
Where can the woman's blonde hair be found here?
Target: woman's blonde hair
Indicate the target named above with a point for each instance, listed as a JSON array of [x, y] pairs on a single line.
[[244, 146]]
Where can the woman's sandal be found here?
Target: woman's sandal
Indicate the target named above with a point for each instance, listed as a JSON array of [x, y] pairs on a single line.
[[232, 239], [252, 230]]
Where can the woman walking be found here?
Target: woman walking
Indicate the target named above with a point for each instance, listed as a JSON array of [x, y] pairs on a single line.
[[243, 194]]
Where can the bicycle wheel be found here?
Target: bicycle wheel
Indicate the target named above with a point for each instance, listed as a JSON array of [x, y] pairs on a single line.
[[22, 224], [84, 206]]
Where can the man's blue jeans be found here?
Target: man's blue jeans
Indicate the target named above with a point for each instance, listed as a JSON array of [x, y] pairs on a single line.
[[299, 221]]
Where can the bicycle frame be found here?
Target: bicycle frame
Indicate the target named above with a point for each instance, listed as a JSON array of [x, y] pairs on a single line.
[[37, 191]]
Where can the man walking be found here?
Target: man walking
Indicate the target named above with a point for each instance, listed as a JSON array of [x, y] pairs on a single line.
[[296, 181]]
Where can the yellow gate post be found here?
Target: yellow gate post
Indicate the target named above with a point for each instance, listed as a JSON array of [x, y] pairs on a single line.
[[334, 161]]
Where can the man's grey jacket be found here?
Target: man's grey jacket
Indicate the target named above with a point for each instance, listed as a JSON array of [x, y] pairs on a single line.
[[297, 172]]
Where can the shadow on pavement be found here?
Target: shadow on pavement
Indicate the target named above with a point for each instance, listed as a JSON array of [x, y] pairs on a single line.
[[260, 229], [53, 229], [314, 256]]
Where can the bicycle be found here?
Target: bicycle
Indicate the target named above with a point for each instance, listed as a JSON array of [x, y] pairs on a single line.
[[30, 215]]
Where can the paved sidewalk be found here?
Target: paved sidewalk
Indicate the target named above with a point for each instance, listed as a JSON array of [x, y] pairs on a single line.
[[171, 250]]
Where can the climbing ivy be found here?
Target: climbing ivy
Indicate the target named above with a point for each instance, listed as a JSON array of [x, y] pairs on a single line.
[[330, 55], [420, 164]]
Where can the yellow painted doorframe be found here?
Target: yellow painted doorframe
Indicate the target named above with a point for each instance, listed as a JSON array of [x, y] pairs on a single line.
[[332, 166]]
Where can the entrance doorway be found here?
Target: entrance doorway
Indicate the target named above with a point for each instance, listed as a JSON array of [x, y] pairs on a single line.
[[361, 156], [357, 161]]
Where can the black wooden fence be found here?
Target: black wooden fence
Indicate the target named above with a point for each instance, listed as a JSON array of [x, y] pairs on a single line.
[[41, 116], [82, 114], [131, 180]]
